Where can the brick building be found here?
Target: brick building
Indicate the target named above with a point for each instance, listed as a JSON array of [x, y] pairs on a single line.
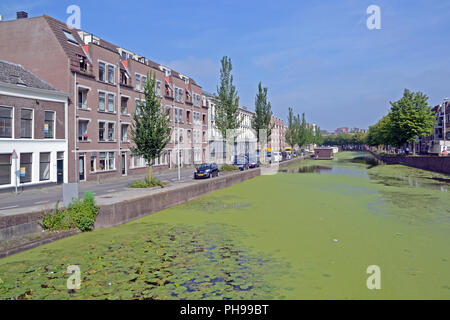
[[105, 86], [277, 141], [33, 135]]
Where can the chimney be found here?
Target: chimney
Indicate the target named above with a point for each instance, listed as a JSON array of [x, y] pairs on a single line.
[[22, 15]]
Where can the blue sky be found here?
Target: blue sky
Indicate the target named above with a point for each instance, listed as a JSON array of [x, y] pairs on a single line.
[[315, 56]]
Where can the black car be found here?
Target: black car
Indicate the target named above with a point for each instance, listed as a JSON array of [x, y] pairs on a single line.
[[254, 161], [241, 162], [206, 171]]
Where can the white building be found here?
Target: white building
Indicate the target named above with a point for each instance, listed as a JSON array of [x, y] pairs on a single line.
[[33, 129]]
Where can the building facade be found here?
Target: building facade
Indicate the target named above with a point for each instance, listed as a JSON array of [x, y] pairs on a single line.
[[33, 129], [105, 84]]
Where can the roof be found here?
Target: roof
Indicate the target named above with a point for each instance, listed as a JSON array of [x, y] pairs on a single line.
[[17, 75], [73, 50]]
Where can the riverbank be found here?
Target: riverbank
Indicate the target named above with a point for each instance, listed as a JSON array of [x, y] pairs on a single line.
[[307, 235], [430, 163]]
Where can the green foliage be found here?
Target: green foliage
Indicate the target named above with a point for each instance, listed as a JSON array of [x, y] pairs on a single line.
[[228, 167], [80, 214], [147, 184], [151, 130], [227, 101], [299, 132], [263, 113], [409, 118], [345, 139]]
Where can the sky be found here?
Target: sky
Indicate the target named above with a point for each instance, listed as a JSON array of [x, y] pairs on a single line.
[[317, 57]]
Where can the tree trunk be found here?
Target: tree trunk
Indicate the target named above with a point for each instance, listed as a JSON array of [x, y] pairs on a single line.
[[149, 173]]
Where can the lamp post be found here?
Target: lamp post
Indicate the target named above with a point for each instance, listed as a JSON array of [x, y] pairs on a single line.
[[445, 124]]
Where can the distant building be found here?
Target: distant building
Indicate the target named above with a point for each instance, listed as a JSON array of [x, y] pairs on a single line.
[[342, 130], [434, 144]]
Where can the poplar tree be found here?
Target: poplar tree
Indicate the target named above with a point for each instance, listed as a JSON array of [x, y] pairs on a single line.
[[263, 113]]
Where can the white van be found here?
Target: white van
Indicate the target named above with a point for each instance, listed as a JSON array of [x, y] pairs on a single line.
[[276, 157]]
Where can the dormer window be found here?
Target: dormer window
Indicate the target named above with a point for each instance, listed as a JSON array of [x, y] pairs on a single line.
[[70, 37]]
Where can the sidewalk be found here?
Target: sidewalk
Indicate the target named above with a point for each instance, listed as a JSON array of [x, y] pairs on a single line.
[[45, 197]]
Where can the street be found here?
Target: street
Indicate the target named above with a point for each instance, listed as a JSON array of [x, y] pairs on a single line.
[[51, 194]]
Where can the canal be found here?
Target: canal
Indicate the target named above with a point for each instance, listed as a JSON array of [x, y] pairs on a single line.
[[309, 232]]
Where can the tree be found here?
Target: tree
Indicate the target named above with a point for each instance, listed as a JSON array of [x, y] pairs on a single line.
[[151, 130], [263, 113], [291, 135], [227, 101], [410, 117], [318, 138]]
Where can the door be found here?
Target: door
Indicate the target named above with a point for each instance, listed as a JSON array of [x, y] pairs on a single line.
[[124, 164], [81, 168], [60, 171]]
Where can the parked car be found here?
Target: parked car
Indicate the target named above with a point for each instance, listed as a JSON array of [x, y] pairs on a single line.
[[241, 162], [206, 171], [254, 161], [276, 157]]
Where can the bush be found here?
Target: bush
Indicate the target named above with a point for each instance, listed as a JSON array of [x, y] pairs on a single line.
[[80, 214], [147, 184], [228, 167]]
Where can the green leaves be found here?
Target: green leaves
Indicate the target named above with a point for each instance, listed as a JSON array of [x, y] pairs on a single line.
[[263, 113], [409, 118], [227, 101], [151, 130]]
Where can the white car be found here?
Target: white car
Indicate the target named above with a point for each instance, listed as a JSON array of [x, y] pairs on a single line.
[[276, 157]]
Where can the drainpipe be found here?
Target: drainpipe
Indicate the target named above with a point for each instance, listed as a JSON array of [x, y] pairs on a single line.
[[119, 125], [75, 104]]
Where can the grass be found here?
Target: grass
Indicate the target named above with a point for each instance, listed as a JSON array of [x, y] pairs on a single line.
[[228, 168], [80, 214], [271, 237], [144, 184]]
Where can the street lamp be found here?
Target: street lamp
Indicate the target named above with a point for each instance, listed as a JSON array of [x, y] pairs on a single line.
[[445, 124]]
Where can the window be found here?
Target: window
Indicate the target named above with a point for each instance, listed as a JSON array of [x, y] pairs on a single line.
[[110, 74], [180, 95], [49, 125], [138, 82], [82, 95], [124, 106], [158, 88], [5, 122], [138, 107], [176, 94], [101, 71], [124, 133], [25, 167], [106, 161], [176, 115], [144, 82], [101, 101], [110, 131], [110, 102], [70, 37], [44, 166], [101, 131], [82, 130], [26, 123], [5, 169], [180, 115], [93, 162]]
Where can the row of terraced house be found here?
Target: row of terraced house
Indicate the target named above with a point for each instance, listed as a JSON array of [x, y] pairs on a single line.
[[104, 86]]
